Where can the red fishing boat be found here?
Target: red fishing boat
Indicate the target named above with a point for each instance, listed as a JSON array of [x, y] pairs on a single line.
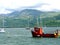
[[38, 32]]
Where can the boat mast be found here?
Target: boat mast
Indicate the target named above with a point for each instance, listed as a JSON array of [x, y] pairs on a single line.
[[56, 23], [37, 23], [28, 22], [40, 22], [3, 22]]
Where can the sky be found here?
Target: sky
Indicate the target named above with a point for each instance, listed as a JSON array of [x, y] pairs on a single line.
[[6, 6]]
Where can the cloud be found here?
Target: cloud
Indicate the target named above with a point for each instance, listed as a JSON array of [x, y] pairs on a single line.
[[53, 4], [13, 4], [37, 5], [4, 11], [44, 5], [16, 4]]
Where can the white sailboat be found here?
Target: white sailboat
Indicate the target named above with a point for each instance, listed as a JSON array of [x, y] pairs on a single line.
[[2, 29]]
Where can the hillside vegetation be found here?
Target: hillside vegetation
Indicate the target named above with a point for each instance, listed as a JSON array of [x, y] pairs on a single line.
[[19, 19]]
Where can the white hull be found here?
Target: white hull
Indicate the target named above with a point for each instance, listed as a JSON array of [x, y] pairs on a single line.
[[27, 28], [2, 30]]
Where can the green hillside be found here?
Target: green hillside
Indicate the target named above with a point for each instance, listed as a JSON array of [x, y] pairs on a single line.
[[20, 19]]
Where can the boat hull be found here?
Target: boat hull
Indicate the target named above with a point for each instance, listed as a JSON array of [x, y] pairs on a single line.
[[34, 34]]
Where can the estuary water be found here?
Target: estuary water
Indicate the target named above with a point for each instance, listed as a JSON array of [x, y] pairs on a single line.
[[21, 36]]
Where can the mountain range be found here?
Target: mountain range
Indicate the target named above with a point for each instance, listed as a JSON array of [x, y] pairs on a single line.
[[30, 12], [21, 17]]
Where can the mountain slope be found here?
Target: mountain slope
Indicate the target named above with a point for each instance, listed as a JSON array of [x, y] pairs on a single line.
[[21, 18]]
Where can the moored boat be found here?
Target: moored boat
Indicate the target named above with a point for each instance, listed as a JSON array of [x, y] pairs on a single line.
[[38, 32], [2, 30], [28, 28]]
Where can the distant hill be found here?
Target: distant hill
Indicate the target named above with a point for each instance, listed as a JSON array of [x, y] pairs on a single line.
[[20, 18], [32, 12], [25, 12]]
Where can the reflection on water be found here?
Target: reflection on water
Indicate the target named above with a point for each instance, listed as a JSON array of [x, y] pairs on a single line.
[[21, 36]]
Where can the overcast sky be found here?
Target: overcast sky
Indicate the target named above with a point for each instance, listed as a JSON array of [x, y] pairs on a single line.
[[44, 5]]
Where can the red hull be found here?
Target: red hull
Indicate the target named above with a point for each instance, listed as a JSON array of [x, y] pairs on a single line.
[[36, 34], [44, 35]]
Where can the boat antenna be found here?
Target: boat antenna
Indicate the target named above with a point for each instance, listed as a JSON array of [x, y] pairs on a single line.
[[40, 21], [28, 21], [37, 23], [56, 23]]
